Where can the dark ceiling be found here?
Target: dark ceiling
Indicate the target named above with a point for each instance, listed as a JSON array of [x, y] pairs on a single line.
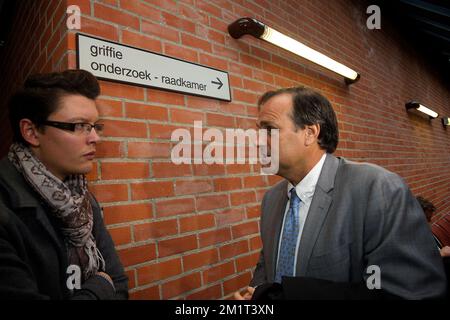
[[426, 24]]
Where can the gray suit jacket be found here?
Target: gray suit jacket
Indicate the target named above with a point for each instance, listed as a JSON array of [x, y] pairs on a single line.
[[360, 215]]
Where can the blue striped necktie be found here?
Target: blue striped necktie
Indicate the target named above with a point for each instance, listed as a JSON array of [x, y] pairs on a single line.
[[286, 258]]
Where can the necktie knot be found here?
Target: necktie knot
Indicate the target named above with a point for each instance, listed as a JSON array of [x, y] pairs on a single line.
[[294, 200]]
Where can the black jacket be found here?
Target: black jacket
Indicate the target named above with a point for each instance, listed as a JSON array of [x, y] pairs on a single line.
[[33, 256]]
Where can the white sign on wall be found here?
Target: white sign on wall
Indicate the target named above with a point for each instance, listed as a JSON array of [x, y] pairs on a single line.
[[117, 62]]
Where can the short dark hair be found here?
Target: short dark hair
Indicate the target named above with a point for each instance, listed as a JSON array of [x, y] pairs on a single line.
[[311, 107], [427, 207], [41, 93]]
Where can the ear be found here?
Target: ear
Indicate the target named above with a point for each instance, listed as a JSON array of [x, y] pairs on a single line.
[[312, 134], [29, 132]]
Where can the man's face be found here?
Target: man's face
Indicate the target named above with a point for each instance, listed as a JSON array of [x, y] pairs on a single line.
[[65, 152], [276, 114]]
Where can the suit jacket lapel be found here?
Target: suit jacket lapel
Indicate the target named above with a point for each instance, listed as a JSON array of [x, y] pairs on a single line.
[[317, 213], [274, 223], [35, 215]]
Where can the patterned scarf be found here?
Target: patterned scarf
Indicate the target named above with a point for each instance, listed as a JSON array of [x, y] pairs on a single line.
[[69, 202]]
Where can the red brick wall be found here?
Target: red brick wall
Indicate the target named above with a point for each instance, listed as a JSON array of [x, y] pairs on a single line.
[[191, 231], [37, 43]]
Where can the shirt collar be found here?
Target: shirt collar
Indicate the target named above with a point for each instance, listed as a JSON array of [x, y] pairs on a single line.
[[305, 188]]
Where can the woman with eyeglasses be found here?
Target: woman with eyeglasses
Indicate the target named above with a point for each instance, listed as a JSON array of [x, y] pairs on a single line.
[[53, 242]]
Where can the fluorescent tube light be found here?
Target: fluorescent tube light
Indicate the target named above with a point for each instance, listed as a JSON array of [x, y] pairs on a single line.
[[414, 105], [259, 30]]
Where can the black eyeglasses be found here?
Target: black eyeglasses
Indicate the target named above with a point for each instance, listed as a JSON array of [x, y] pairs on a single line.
[[77, 127]]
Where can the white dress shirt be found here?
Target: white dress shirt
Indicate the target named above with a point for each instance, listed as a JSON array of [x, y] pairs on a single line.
[[305, 191]]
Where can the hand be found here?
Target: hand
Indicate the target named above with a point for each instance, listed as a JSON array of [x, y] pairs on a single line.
[[445, 251], [106, 276], [247, 295]]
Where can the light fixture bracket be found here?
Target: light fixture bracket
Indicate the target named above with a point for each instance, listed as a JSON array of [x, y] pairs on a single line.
[[245, 26]]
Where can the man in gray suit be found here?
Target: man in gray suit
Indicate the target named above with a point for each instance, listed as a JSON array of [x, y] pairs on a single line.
[[336, 229]]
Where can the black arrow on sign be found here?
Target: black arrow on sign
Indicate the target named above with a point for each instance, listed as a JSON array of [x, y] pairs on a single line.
[[220, 84]]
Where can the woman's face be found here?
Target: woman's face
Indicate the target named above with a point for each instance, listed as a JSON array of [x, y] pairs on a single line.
[[66, 152]]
